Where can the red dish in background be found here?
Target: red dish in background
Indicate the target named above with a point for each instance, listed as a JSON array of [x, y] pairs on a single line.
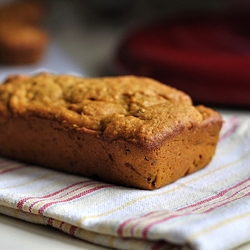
[[209, 60]]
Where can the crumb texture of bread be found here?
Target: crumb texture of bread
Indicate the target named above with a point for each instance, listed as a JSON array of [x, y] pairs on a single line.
[[127, 130]]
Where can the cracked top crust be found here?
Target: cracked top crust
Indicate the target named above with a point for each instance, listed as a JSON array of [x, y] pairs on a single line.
[[136, 109]]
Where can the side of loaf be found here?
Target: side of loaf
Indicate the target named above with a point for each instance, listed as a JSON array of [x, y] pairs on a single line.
[[127, 130]]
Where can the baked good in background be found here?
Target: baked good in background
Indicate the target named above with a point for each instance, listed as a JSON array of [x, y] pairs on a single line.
[[23, 40], [131, 131], [22, 44]]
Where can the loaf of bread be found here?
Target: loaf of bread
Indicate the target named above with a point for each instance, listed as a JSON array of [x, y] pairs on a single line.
[[127, 130]]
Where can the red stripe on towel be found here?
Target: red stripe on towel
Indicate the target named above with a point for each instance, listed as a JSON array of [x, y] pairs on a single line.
[[21, 202], [237, 188], [222, 193], [80, 195]]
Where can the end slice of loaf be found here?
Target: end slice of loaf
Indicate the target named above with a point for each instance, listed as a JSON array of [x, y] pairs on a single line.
[[126, 130]]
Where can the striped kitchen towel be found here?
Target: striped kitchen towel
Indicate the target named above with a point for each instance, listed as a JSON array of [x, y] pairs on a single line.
[[207, 210]]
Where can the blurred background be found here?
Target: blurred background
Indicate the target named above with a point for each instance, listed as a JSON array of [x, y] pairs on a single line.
[[201, 47], [91, 30]]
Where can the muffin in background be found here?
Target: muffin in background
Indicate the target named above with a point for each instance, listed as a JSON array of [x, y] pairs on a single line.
[[22, 38]]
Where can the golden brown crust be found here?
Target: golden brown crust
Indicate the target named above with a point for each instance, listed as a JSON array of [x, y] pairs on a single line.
[[126, 130]]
